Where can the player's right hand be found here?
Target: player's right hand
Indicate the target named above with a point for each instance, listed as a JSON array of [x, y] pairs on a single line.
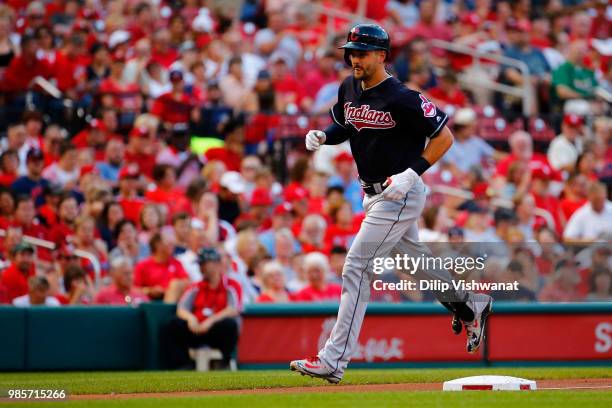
[[314, 139]]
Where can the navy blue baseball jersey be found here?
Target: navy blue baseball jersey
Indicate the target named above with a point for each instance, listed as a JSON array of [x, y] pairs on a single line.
[[387, 126]]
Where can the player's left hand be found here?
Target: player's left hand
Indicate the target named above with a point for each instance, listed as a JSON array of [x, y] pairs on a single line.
[[399, 185]]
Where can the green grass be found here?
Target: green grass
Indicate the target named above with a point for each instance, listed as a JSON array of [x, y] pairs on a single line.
[[156, 381], [473, 399]]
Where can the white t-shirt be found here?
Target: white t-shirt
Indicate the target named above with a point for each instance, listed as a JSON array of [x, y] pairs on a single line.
[[563, 153], [55, 174], [588, 225], [189, 260], [24, 301]]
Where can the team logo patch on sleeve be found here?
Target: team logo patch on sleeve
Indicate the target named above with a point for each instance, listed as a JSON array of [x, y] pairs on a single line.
[[429, 109]]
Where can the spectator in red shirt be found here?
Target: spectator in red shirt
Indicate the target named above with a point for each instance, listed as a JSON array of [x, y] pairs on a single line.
[[94, 138], [128, 193], [85, 239], [574, 194], [323, 74], [53, 138], [176, 107], [9, 165], [563, 285], [70, 65], [162, 52], [344, 226], [312, 234], [521, 148], [166, 193], [7, 207], [161, 276], [33, 122], [233, 149], [125, 97], [318, 289], [140, 150], [25, 67], [121, 291], [428, 27], [258, 215], [448, 92], [152, 219], [47, 213], [273, 284], [25, 218], [68, 211], [78, 287], [540, 182], [290, 93], [15, 277], [207, 313]]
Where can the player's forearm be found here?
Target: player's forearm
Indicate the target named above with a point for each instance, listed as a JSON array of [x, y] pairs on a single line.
[[335, 134], [438, 146]]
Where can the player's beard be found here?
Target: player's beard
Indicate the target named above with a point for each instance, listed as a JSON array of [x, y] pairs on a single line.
[[363, 73]]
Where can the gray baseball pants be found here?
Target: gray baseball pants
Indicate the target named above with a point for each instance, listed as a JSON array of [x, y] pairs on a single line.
[[389, 227]]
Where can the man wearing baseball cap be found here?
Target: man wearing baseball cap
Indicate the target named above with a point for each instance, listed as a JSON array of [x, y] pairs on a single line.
[[15, 277], [139, 150], [176, 106], [131, 203], [564, 149], [207, 313], [32, 183], [282, 217]]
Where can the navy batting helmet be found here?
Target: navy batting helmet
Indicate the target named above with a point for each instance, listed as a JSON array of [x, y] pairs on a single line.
[[366, 37]]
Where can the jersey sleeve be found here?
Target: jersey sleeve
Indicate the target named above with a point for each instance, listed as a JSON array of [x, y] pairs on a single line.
[[337, 132], [337, 111], [422, 116]]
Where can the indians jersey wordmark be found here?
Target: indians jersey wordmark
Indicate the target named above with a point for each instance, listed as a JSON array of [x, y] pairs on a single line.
[[363, 117]]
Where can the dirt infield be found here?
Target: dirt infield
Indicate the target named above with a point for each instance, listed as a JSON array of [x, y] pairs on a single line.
[[566, 384]]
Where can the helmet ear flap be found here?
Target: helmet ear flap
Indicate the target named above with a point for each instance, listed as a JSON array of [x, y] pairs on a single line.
[[347, 59]]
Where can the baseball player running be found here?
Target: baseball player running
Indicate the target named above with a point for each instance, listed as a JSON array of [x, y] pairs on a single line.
[[387, 125]]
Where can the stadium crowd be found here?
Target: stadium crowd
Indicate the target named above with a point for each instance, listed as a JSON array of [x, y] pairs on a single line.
[[110, 167]]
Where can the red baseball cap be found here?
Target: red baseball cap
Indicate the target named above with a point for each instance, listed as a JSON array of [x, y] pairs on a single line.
[[283, 209], [295, 193], [203, 40], [97, 124], [573, 120], [343, 157], [129, 171], [471, 19], [261, 196], [543, 172], [139, 132], [89, 169], [518, 25], [481, 190]]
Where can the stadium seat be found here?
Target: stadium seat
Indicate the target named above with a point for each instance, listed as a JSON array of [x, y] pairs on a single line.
[[204, 355]]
